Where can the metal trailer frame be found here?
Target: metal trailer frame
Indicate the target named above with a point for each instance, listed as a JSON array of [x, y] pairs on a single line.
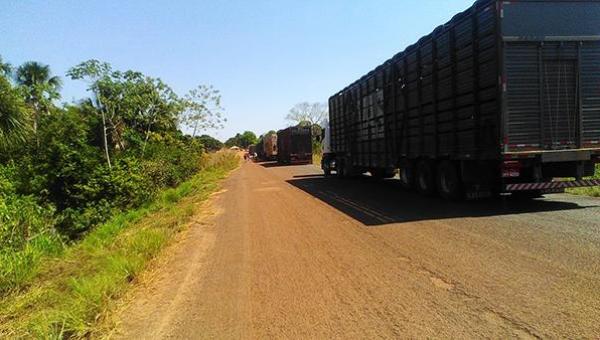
[[450, 101], [294, 145]]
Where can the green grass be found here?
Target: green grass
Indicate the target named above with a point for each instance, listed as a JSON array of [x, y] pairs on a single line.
[[592, 191], [69, 293], [17, 268]]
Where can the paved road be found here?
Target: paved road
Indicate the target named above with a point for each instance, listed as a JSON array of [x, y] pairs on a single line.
[[290, 254]]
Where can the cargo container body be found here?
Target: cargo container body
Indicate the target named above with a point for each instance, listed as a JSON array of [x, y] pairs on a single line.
[[294, 145], [270, 147], [504, 97], [260, 150]]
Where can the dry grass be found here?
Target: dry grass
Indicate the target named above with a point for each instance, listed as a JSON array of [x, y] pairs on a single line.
[[317, 157]]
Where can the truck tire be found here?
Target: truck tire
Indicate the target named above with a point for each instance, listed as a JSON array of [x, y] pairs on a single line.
[[407, 177], [449, 182], [347, 170], [382, 173], [341, 169], [425, 178]]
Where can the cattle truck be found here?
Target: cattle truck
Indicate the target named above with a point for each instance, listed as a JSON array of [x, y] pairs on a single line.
[[294, 145], [270, 146], [260, 150], [505, 97]]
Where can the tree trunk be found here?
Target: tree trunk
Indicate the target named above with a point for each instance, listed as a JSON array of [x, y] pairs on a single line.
[[35, 130], [195, 129], [104, 135], [146, 139]]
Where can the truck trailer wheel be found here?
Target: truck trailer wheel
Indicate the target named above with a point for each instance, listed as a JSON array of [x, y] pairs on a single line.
[[407, 177], [448, 181], [382, 173], [425, 179], [341, 168]]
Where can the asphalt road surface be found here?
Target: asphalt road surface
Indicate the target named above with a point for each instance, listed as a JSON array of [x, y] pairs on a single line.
[[287, 253]]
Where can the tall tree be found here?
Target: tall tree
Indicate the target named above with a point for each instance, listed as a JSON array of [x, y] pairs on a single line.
[[40, 88], [132, 106], [6, 69], [202, 110], [98, 75], [313, 113], [150, 106], [12, 115]]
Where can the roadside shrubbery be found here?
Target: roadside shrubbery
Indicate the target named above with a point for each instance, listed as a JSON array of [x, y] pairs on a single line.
[[592, 191], [26, 233], [61, 192], [73, 290], [66, 169]]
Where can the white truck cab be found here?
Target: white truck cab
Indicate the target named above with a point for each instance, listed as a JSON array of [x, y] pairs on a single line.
[[328, 162]]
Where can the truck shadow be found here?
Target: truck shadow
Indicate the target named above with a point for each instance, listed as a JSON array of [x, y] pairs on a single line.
[[274, 164], [375, 203]]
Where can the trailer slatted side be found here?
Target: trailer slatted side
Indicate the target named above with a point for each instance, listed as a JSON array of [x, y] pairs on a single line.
[[432, 99]]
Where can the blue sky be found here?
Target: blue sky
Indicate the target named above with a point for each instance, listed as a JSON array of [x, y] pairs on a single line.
[[264, 56]]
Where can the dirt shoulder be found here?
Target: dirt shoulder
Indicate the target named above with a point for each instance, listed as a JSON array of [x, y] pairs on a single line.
[[287, 255]]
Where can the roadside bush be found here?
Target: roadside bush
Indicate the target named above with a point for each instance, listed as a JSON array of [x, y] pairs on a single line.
[[22, 219], [592, 191], [64, 160], [169, 163], [26, 234]]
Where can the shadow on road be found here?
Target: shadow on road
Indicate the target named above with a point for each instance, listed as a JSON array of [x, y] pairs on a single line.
[[374, 202], [278, 165], [309, 176]]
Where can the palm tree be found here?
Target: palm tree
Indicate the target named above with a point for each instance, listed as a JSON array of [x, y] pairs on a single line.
[[12, 115], [40, 88], [5, 68]]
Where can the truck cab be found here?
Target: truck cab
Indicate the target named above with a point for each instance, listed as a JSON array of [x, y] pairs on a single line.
[[328, 162]]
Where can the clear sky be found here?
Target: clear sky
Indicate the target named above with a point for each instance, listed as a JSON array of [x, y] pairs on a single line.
[[264, 56]]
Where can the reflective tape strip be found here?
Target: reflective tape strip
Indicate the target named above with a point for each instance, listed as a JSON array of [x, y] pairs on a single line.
[[552, 185]]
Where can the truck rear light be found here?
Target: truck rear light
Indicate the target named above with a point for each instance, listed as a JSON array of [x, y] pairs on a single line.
[[511, 169]]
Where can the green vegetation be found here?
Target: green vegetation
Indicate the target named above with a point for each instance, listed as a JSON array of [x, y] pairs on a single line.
[[210, 143], [592, 191], [72, 290], [317, 157], [242, 140], [67, 169]]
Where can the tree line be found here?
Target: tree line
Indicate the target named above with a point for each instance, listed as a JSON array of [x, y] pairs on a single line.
[[65, 168], [304, 114]]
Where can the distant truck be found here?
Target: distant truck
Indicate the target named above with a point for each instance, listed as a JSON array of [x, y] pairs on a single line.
[[267, 147], [294, 145], [260, 150], [503, 98], [252, 149], [270, 146]]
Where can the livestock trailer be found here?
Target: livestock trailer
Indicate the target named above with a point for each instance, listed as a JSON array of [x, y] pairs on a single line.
[[260, 149], [505, 97], [294, 145], [270, 146]]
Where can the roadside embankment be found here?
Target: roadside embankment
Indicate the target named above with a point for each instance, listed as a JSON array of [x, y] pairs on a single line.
[[72, 291]]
